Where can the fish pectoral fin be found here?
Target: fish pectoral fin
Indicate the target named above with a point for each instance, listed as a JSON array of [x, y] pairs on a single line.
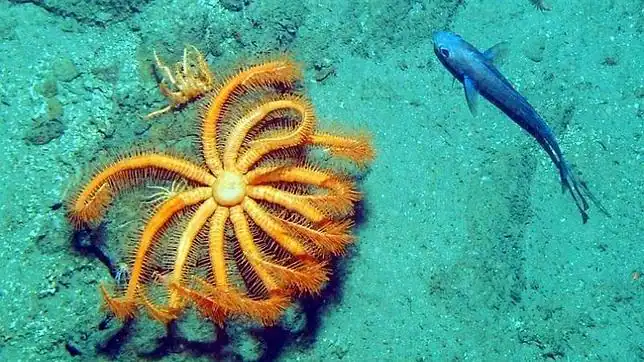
[[471, 94], [497, 53]]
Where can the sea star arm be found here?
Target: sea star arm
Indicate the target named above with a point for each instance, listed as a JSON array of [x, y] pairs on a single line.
[[218, 300], [90, 203], [357, 148], [248, 247], [340, 195], [304, 272], [282, 71], [331, 238], [274, 230], [287, 200], [296, 237], [207, 299], [216, 248], [261, 147], [169, 311], [186, 241], [266, 310], [213, 301], [124, 306]]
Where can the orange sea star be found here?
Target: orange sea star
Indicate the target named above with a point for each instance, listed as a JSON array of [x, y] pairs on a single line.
[[250, 229]]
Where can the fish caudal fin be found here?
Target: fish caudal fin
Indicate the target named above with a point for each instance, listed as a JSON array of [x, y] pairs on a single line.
[[579, 191]]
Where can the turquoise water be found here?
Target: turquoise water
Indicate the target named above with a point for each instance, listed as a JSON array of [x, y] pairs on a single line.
[[466, 248]]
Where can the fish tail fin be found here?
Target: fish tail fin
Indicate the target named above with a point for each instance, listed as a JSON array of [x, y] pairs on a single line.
[[579, 191]]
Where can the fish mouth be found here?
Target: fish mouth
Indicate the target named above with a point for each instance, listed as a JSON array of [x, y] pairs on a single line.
[[439, 40], [435, 36], [436, 51]]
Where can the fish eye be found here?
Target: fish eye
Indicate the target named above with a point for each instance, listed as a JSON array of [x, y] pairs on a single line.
[[444, 52]]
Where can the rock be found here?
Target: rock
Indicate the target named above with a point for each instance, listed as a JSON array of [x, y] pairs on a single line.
[[44, 131], [54, 109], [534, 48], [65, 70], [96, 12], [48, 88], [233, 5]]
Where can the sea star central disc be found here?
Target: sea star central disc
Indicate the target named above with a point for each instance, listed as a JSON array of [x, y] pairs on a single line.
[[229, 189]]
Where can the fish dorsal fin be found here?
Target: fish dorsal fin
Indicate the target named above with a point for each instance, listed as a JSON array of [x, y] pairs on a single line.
[[497, 53], [471, 94]]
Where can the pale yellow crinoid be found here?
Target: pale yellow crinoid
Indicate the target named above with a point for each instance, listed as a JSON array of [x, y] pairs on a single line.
[[250, 229], [190, 80]]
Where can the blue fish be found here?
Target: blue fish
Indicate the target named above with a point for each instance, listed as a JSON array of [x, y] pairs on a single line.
[[479, 76]]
